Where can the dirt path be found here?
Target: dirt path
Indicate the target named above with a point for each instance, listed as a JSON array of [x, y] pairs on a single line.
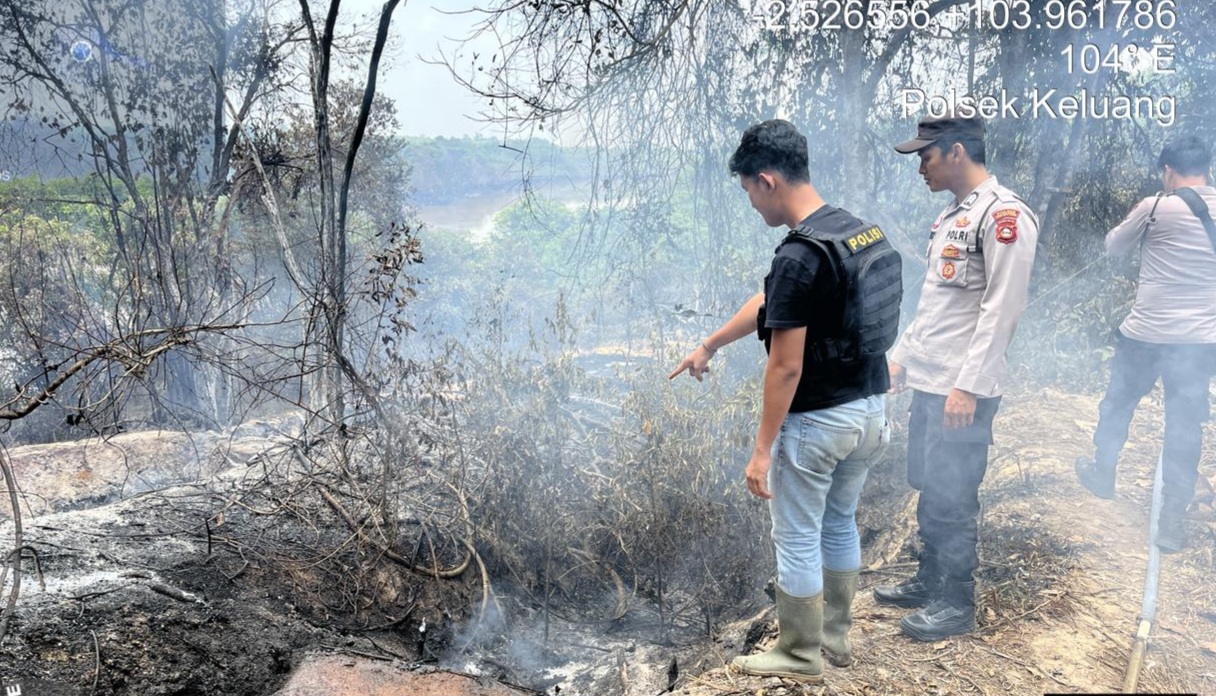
[[1061, 582]]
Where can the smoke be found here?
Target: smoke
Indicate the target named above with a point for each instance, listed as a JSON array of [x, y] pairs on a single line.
[[597, 493], [667, 248]]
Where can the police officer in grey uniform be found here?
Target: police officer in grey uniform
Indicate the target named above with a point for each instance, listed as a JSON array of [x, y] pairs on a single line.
[[1170, 333], [979, 257]]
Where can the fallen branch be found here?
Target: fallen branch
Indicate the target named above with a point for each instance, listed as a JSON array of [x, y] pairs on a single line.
[[96, 662], [1007, 621], [117, 350], [622, 596], [446, 573], [370, 656], [90, 595], [964, 677], [174, 593], [889, 567], [1034, 671], [487, 590]]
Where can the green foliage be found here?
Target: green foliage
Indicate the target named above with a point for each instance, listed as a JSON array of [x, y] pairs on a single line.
[[51, 234], [448, 170], [71, 201]]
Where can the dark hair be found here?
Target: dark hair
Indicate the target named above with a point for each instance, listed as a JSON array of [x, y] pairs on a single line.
[[774, 145], [974, 148], [1187, 155]]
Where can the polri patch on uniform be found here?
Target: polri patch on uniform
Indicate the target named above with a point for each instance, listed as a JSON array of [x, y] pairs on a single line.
[[962, 222], [1007, 225], [949, 270], [952, 252]]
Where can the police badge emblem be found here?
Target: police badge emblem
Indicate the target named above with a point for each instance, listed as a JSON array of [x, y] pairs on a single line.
[[1007, 225]]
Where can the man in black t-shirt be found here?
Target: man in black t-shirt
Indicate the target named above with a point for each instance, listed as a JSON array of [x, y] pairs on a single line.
[[823, 419], [803, 291]]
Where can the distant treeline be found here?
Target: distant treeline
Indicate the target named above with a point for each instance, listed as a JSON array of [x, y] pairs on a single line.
[[447, 170]]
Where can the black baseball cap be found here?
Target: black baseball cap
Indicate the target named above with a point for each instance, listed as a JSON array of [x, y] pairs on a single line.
[[931, 130]]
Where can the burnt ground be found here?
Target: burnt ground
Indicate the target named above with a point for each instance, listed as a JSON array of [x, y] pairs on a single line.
[[157, 593], [133, 603], [128, 607], [209, 588], [135, 598], [1061, 584], [138, 609]]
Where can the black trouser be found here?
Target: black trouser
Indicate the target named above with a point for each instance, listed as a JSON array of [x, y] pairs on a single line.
[[1186, 370], [947, 467]]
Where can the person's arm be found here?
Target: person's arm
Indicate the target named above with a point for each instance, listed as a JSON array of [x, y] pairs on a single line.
[[740, 325], [1127, 235], [895, 361], [1008, 261], [780, 383], [898, 377]]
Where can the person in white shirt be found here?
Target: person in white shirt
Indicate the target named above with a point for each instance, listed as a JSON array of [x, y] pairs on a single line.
[[1170, 333], [979, 255]]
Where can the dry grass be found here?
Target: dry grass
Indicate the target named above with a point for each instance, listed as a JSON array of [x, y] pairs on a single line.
[[1060, 586]]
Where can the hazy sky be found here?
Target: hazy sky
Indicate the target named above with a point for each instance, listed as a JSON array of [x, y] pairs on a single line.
[[429, 102]]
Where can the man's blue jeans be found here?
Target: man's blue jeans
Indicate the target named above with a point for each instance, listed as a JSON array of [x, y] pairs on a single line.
[[820, 462]]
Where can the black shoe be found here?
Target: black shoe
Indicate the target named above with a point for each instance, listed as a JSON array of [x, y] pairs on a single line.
[[913, 593], [951, 614], [1171, 534], [1097, 478]]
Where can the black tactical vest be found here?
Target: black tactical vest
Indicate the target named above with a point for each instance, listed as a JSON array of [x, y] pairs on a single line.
[[871, 277]]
